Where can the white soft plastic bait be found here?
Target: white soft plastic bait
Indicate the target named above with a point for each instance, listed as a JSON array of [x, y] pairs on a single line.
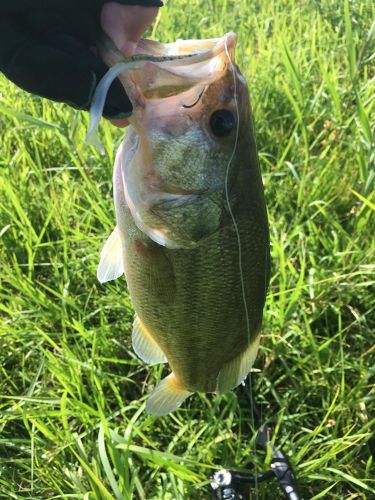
[[99, 98], [101, 91]]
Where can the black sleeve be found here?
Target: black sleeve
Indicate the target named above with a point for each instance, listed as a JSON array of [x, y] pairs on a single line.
[[144, 3], [45, 49], [17, 6]]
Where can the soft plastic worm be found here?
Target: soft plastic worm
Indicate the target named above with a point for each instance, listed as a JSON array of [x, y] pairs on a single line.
[[100, 94]]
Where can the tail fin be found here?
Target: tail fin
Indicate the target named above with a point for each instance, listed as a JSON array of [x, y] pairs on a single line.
[[167, 396]]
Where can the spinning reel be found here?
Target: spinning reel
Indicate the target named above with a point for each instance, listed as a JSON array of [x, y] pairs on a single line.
[[231, 485]]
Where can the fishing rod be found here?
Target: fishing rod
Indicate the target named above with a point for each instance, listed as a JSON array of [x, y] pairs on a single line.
[[232, 485]]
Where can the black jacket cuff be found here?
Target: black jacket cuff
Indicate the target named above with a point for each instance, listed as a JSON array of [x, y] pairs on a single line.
[[16, 6]]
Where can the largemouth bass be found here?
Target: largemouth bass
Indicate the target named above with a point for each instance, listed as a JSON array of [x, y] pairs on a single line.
[[192, 232]]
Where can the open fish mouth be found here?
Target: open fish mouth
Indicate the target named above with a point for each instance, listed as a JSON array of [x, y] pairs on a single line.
[[175, 90], [162, 70]]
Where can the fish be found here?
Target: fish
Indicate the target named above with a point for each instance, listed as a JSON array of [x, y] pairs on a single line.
[[191, 234]]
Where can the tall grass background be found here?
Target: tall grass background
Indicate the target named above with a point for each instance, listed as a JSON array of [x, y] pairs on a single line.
[[72, 392]]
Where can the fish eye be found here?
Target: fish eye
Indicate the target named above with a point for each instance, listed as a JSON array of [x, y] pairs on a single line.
[[222, 122]]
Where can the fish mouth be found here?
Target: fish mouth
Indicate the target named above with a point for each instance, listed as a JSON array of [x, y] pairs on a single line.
[[162, 70], [177, 198]]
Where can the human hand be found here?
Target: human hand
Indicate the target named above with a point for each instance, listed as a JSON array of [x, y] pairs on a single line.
[[47, 50], [125, 24]]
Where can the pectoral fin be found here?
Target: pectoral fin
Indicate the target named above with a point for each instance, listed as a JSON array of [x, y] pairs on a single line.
[[145, 346], [166, 397], [235, 371], [111, 264]]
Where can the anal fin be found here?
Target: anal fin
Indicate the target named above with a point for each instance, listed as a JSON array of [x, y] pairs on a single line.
[[111, 264], [145, 346], [167, 396], [235, 371]]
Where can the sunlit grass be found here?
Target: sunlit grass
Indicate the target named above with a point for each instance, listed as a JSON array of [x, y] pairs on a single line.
[[72, 392]]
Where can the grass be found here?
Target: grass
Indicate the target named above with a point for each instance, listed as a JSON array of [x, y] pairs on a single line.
[[72, 393]]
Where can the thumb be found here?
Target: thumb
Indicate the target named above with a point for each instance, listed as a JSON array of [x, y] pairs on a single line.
[[128, 48], [125, 24]]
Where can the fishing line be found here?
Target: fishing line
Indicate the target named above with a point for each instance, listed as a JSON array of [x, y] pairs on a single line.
[[240, 265], [235, 225], [96, 111]]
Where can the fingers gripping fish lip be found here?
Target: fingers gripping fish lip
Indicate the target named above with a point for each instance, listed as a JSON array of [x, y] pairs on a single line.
[[167, 62]]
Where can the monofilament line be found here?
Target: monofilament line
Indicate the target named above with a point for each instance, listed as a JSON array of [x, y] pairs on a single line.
[[227, 195], [239, 237]]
